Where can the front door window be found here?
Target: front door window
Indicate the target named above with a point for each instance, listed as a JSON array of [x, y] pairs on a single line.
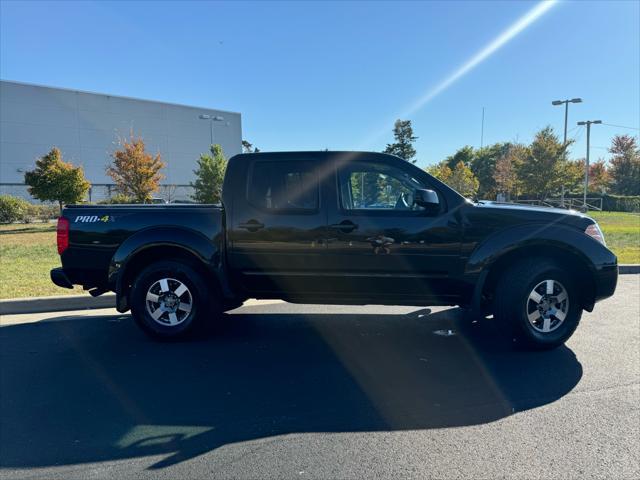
[[377, 187]]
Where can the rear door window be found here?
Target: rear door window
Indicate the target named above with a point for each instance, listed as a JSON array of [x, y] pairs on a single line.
[[284, 186]]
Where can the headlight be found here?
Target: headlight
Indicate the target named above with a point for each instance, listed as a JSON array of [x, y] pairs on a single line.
[[594, 232]]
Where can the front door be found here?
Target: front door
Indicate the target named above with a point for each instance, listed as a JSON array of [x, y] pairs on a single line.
[[385, 247]]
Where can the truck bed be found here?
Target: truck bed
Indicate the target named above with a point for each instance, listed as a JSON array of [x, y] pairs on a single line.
[[96, 232]]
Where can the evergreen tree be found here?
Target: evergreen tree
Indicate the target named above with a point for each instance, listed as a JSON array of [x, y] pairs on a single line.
[[403, 146]]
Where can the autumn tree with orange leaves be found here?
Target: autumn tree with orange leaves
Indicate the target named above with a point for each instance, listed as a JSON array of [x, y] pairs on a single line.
[[135, 172]]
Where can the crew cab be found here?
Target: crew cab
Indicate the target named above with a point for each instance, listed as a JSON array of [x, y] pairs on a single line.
[[339, 228]]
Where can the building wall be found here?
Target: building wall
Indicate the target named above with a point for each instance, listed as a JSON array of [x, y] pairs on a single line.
[[87, 127]]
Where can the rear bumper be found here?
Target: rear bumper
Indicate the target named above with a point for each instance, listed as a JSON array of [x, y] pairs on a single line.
[[60, 278]]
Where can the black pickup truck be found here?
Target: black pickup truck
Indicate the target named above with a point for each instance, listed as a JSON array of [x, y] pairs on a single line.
[[339, 228]]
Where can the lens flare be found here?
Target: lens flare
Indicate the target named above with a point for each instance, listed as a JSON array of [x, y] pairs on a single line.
[[520, 25]]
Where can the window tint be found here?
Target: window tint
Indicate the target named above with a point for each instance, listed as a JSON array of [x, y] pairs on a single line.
[[284, 186], [372, 186]]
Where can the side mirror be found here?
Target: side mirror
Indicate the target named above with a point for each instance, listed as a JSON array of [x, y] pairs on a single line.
[[426, 198]]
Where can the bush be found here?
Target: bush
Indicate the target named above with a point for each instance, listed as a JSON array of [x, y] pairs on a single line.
[[30, 213], [15, 209], [117, 199], [40, 213], [12, 209], [621, 203]]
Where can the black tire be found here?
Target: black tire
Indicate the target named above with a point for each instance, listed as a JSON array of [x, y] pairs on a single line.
[[513, 304], [200, 300]]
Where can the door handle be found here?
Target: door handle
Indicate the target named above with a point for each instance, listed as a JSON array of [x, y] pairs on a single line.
[[345, 226], [252, 225]]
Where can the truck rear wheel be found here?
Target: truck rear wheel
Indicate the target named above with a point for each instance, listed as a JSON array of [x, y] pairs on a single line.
[[538, 304], [169, 300]]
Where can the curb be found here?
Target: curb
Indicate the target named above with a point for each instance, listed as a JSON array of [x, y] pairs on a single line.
[[61, 303], [56, 304], [629, 268], [87, 302]]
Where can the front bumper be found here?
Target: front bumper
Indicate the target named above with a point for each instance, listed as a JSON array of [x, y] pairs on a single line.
[[60, 278], [606, 279]]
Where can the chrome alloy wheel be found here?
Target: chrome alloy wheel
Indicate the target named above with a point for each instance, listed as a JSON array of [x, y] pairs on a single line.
[[547, 306], [169, 301]]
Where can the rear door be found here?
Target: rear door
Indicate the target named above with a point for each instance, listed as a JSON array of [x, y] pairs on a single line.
[[381, 245], [277, 230]]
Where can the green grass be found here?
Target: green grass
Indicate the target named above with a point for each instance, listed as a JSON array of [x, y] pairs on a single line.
[[28, 252], [622, 234]]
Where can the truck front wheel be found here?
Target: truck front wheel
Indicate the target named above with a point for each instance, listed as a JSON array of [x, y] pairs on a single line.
[[538, 304], [169, 300]]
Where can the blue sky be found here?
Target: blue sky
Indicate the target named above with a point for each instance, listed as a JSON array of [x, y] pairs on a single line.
[[335, 75]]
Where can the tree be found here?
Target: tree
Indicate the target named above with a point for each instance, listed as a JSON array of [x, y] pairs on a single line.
[[625, 165], [135, 172], [209, 176], [542, 172], [54, 180], [599, 178], [464, 155], [482, 163], [248, 147], [505, 174], [460, 178], [440, 170], [572, 172], [483, 166], [403, 146]]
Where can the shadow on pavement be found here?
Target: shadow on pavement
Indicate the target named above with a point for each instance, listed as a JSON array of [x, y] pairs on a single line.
[[96, 389]]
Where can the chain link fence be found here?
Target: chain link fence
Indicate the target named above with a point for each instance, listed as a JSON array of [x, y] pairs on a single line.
[[104, 191]]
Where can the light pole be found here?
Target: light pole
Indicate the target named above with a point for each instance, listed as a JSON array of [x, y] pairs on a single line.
[[588, 123], [211, 118], [566, 118], [566, 111]]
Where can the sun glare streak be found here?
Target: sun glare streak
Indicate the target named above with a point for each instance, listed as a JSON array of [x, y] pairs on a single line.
[[520, 25]]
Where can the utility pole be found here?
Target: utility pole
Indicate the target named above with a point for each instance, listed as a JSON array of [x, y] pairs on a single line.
[[588, 123], [566, 119], [482, 130]]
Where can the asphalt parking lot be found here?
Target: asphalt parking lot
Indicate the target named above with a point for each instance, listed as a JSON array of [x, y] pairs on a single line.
[[304, 391]]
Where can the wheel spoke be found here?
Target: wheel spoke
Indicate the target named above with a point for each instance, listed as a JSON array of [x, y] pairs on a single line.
[[549, 287], [164, 285], [180, 290], [552, 301], [535, 296], [163, 302]]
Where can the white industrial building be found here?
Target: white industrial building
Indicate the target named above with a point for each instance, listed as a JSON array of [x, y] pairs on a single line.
[[87, 127]]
